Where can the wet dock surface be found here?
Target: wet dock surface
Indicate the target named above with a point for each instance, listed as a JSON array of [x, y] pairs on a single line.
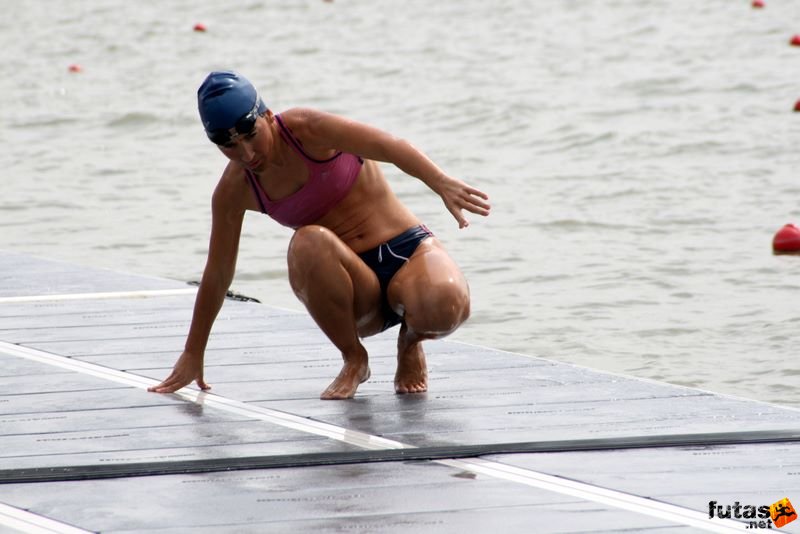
[[500, 441]]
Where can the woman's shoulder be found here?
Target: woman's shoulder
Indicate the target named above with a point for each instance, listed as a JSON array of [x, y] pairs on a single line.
[[232, 185], [320, 130], [300, 114], [303, 120]]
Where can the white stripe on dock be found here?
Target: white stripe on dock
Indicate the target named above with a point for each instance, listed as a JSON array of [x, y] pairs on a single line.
[[101, 295], [617, 499], [285, 419], [589, 492], [24, 521]]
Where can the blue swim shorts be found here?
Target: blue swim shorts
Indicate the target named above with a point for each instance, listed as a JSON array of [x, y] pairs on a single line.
[[387, 258]]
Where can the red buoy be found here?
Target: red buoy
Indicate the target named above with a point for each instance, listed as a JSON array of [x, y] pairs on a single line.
[[758, 4], [795, 40], [797, 106], [787, 240], [75, 68], [199, 27]]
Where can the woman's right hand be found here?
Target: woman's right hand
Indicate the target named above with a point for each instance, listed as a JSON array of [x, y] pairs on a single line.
[[188, 369], [227, 209]]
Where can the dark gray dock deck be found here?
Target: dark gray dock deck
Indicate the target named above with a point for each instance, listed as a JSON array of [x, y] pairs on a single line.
[[501, 442]]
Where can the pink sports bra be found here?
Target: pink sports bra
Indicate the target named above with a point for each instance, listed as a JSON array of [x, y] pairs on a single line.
[[329, 181]]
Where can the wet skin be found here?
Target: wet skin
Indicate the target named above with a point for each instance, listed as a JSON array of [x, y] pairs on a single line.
[[339, 290]]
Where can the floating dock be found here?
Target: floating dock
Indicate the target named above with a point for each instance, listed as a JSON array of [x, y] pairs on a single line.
[[501, 442]]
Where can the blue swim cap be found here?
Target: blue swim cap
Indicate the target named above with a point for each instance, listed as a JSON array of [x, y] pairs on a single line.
[[224, 97]]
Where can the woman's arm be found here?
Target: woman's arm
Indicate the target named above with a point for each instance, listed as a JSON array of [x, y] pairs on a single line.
[[218, 274]]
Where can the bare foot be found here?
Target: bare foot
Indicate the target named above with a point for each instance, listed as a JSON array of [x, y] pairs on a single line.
[[412, 371], [345, 385]]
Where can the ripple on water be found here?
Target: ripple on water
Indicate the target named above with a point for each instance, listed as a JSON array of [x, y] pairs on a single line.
[[135, 119], [43, 121]]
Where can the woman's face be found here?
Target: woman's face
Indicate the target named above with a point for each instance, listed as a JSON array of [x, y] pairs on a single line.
[[251, 149]]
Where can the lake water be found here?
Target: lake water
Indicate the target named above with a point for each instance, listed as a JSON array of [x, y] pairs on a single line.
[[639, 156]]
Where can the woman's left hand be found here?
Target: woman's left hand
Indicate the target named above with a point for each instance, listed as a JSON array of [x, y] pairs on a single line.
[[459, 196]]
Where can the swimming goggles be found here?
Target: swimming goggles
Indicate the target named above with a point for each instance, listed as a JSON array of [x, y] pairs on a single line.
[[243, 126]]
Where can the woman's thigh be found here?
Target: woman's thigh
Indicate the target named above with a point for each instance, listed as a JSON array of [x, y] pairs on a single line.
[[321, 266], [430, 290]]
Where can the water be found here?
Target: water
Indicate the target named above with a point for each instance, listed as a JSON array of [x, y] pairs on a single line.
[[639, 156]]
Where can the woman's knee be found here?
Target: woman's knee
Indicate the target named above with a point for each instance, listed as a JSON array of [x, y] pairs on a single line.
[[308, 241], [308, 249], [439, 308]]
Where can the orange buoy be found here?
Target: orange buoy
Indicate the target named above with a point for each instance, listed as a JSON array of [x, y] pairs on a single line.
[[787, 240], [200, 27], [75, 68]]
